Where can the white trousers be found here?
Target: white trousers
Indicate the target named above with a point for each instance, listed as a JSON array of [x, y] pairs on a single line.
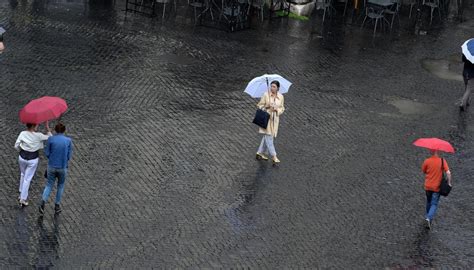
[[266, 146], [27, 171]]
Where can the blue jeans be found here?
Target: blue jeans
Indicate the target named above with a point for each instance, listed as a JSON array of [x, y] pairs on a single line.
[[54, 173], [267, 145], [432, 199]]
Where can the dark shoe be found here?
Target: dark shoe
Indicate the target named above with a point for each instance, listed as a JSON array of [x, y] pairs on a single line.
[[428, 224], [41, 208], [57, 209]]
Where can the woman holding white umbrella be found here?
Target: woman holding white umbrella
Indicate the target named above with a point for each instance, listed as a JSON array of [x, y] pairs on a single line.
[[468, 71], [274, 103]]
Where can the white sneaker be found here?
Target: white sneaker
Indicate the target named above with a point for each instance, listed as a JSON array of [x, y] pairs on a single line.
[[23, 203]]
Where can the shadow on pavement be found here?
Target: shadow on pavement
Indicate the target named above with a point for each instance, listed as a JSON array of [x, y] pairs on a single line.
[[240, 215], [48, 243]]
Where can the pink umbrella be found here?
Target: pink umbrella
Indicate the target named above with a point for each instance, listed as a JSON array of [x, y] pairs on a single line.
[[42, 109], [434, 144]]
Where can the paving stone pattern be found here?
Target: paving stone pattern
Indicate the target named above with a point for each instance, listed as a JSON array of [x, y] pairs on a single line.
[[164, 172]]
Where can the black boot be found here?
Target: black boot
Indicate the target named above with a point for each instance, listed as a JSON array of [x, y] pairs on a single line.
[[41, 207], [57, 209]]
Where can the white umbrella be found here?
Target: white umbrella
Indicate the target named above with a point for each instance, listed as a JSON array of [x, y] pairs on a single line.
[[259, 85], [468, 49]]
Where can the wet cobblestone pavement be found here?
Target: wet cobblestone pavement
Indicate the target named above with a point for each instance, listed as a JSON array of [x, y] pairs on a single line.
[[163, 174]]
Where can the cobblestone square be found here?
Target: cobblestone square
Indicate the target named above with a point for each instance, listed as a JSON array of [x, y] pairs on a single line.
[[164, 174]]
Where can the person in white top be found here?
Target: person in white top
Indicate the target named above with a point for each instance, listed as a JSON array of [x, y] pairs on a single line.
[[29, 142]]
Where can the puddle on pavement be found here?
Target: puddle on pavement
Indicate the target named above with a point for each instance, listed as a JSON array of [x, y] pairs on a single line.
[[406, 106], [176, 59], [393, 115], [449, 68]]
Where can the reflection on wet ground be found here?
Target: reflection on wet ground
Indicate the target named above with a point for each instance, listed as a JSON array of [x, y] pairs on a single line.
[[447, 69], [48, 243], [423, 246], [34, 243], [411, 107]]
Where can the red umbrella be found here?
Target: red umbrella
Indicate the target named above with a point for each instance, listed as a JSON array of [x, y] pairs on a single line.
[[42, 109], [434, 144]]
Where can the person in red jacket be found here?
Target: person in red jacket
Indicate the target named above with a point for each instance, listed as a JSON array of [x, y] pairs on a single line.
[[432, 168]]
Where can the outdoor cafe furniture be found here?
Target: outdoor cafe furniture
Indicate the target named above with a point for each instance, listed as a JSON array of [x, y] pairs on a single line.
[[394, 11], [230, 14], [144, 7], [165, 2], [433, 4], [375, 9]]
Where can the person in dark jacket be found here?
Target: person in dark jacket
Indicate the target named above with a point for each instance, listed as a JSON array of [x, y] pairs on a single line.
[[467, 74], [468, 71]]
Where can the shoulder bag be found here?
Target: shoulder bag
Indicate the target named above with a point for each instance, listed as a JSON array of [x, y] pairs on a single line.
[[261, 118], [444, 188]]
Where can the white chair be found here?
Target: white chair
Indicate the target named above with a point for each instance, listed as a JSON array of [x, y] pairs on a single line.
[[373, 14], [197, 5], [433, 4], [164, 2], [412, 4], [327, 6], [393, 11], [258, 5]]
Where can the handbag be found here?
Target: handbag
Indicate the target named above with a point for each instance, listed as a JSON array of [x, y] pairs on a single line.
[[444, 187], [261, 118]]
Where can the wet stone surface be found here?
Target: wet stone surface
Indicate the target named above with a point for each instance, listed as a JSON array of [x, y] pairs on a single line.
[[164, 175]]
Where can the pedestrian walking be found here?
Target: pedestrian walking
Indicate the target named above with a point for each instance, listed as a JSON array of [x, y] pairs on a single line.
[[468, 72], [433, 168], [2, 46], [58, 151], [273, 102], [28, 143]]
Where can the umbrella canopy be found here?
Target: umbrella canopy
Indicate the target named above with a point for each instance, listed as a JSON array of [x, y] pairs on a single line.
[[259, 85], [468, 49], [434, 144], [42, 109]]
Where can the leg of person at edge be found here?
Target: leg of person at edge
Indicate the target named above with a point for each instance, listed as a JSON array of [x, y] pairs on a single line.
[[468, 74], [273, 102], [432, 168], [2, 46], [58, 150]]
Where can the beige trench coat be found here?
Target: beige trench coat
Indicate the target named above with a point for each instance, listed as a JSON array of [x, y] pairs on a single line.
[[267, 100]]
